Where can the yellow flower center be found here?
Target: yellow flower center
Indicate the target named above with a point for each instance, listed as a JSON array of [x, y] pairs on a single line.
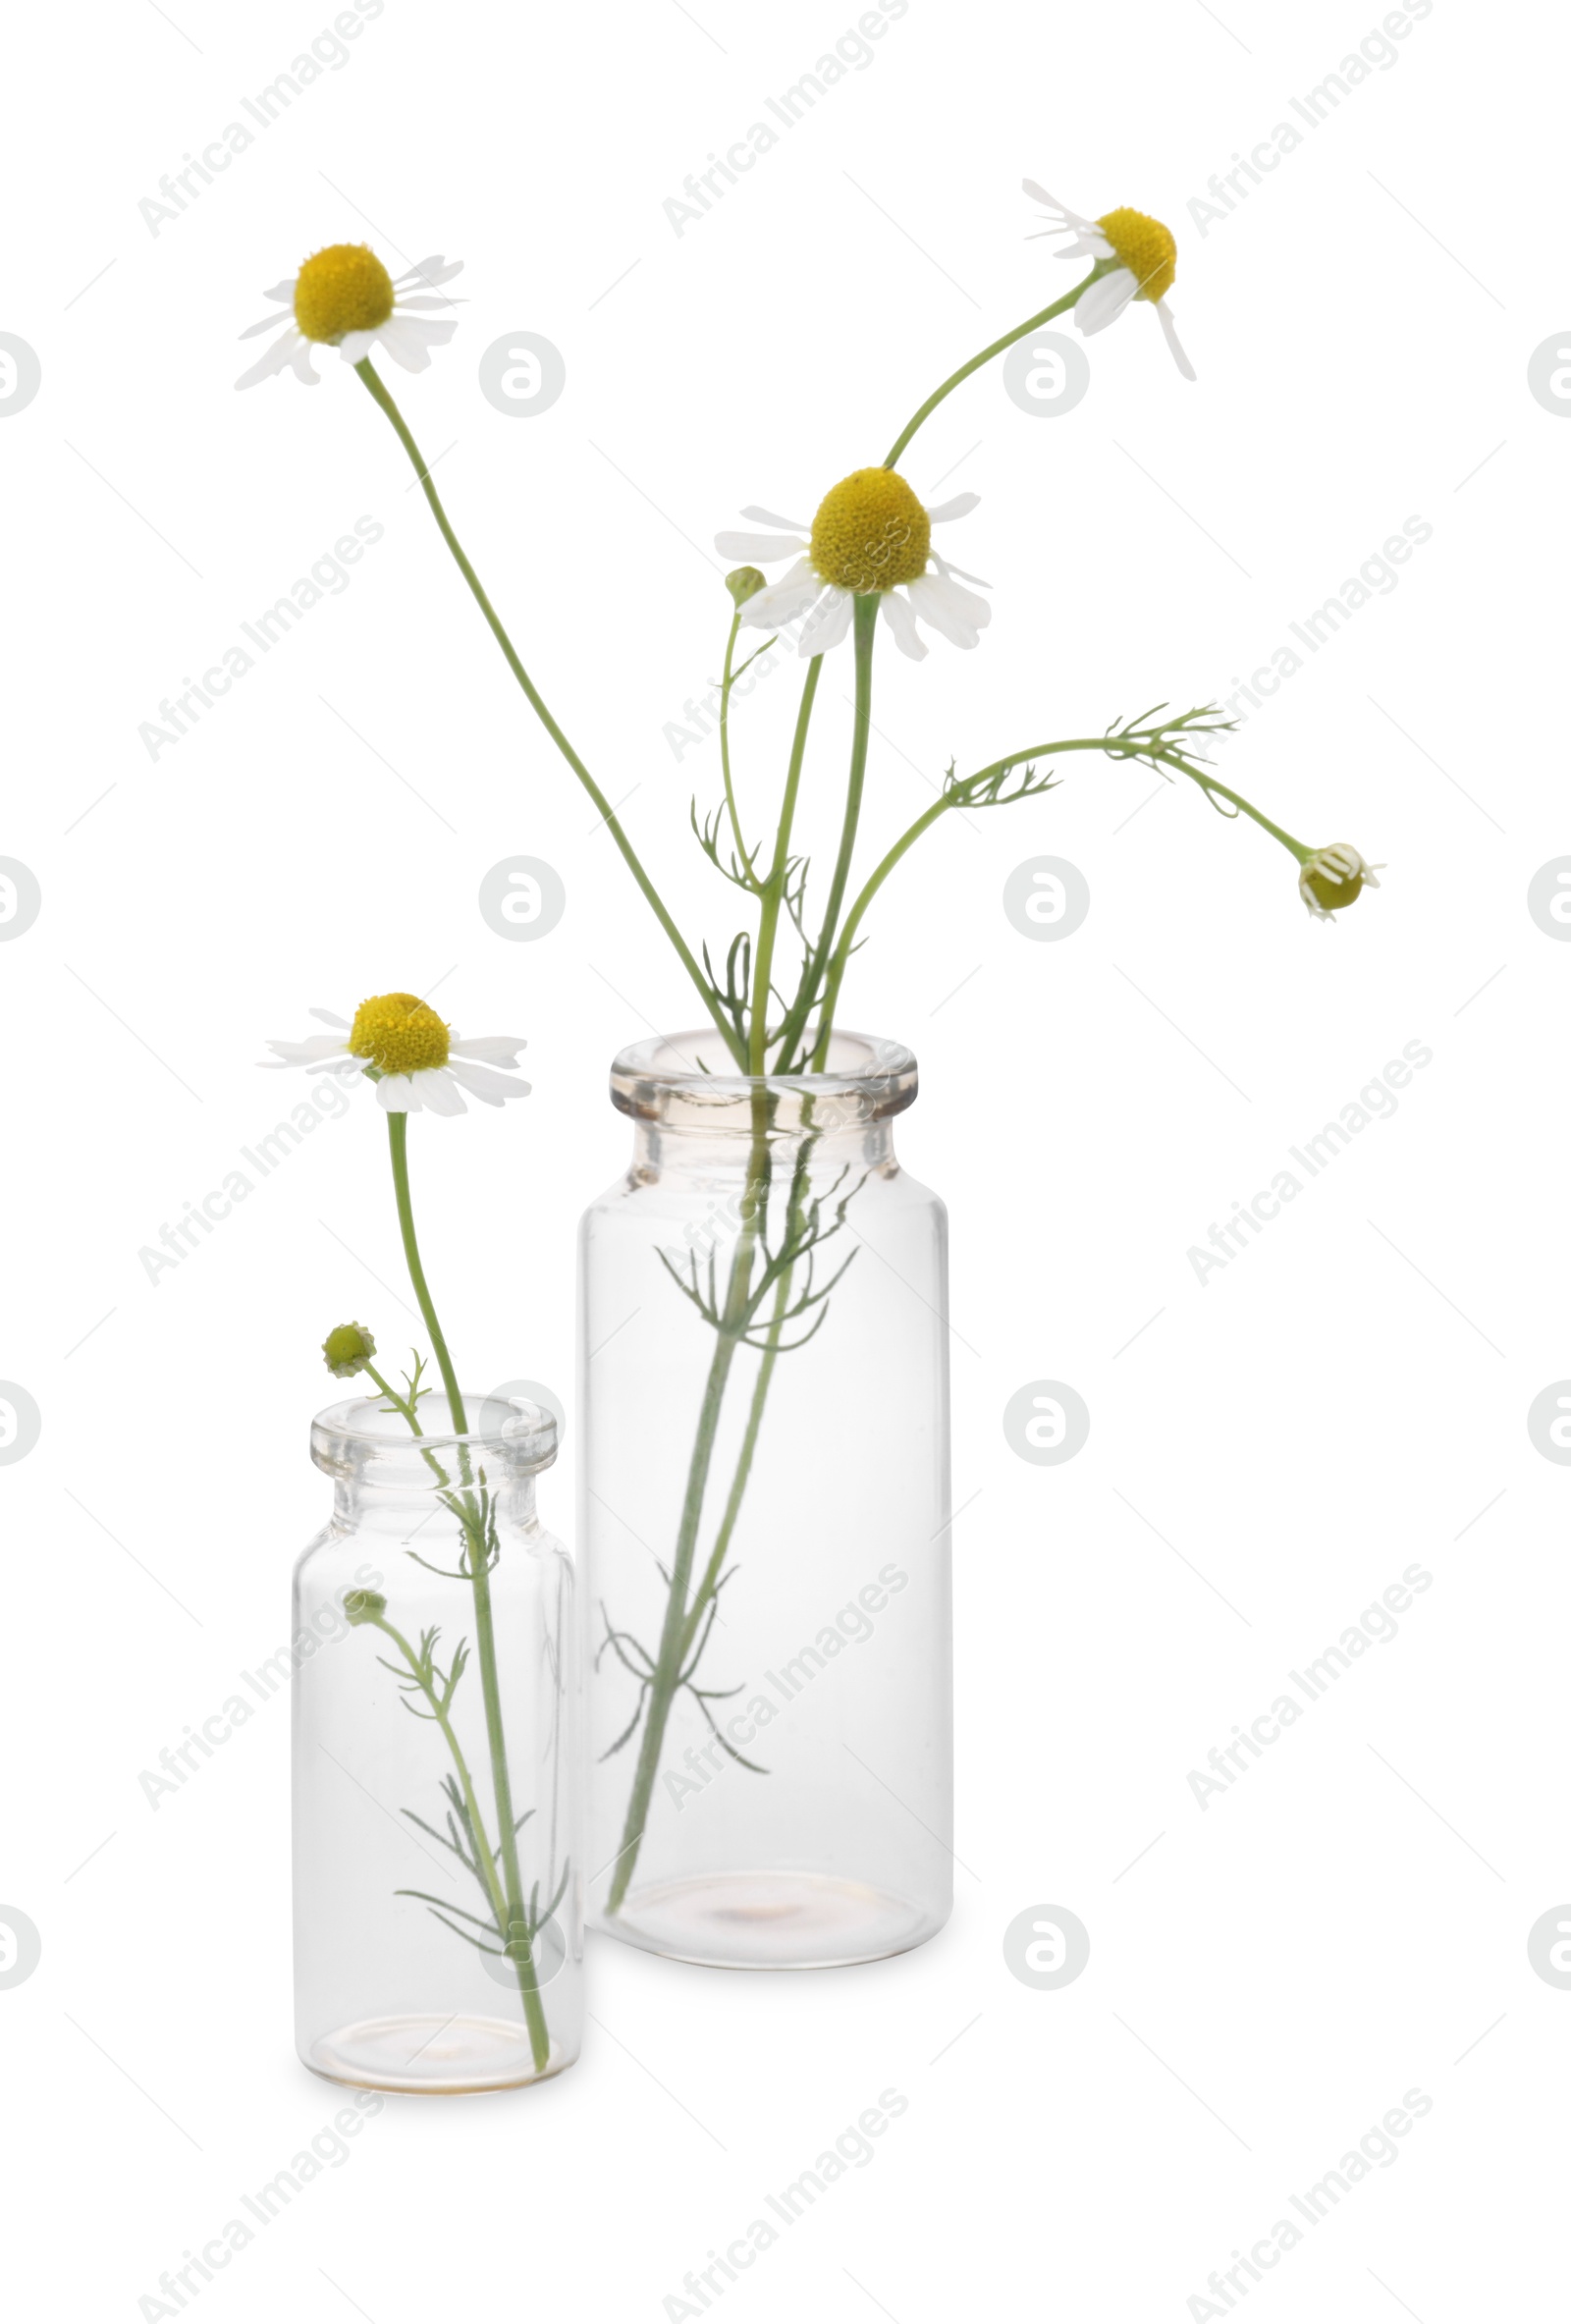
[[1146, 248], [344, 288], [871, 532], [398, 1033]]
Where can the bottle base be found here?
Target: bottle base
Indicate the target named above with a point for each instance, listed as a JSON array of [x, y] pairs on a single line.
[[771, 1919], [424, 2054]]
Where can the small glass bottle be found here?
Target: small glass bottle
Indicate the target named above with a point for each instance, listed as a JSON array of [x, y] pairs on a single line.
[[438, 1870], [765, 1464]]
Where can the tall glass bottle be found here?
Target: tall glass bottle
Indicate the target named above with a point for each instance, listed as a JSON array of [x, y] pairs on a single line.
[[765, 1514]]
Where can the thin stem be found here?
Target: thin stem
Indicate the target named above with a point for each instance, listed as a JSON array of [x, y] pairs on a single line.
[[959, 794], [1208, 782], [516, 1938], [671, 1648], [726, 679], [471, 1801], [516, 1934], [755, 1412], [1058, 308], [397, 1138], [864, 618], [379, 392], [775, 886]]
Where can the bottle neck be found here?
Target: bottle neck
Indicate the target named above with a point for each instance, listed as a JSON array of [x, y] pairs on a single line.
[[427, 1515], [744, 1159]]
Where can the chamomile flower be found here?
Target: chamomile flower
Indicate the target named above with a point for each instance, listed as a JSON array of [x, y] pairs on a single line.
[[1332, 878], [871, 537], [1137, 257], [345, 297], [417, 1064]]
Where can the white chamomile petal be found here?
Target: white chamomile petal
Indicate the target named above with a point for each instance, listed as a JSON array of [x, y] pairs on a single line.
[[959, 575], [1104, 301], [757, 548], [899, 619], [292, 352], [768, 517], [1171, 333], [325, 1016], [1050, 201], [490, 1049], [433, 272], [407, 339], [962, 506], [311, 1050], [1087, 246], [396, 1094], [439, 1091], [949, 610], [783, 599], [827, 624], [484, 1082]]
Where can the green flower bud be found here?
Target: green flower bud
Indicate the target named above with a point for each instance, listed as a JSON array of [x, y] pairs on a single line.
[[348, 1349], [363, 1605], [1332, 878], [745, 583]]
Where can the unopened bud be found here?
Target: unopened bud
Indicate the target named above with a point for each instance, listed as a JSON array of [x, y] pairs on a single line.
[[348, 1349]]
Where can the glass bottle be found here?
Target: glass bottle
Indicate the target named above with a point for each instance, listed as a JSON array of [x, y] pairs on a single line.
[[438, 1886], [765, 1516]]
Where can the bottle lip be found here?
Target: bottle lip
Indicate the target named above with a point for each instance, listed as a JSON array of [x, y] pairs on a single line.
[[361, 1441], [690, 1080]]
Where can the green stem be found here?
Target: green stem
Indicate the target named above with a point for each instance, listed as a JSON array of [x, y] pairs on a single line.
[[397, 1138], [959, 795], [755, 1411], [1208, 782], [669, 1655], [1058, 308], [726, 677], [515, 1937], [482, 1846], [775, 886], [379, 392], [865, 619]]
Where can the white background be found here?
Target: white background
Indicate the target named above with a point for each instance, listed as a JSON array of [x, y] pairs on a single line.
[[1349, 1922]]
